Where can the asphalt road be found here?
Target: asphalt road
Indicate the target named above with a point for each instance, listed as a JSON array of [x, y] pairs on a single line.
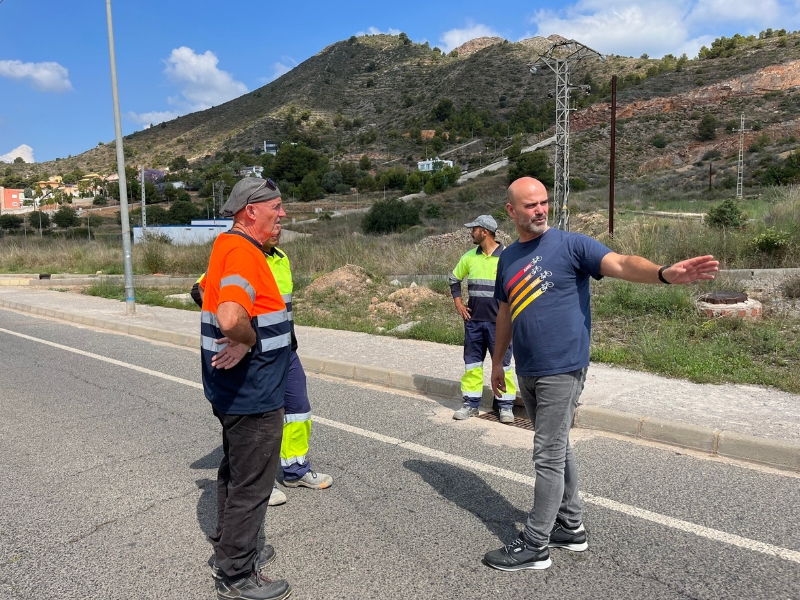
[[107, 473]]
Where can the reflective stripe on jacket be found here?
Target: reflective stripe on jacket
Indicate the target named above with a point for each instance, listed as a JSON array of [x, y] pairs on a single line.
[[238, 273], [480, 271]]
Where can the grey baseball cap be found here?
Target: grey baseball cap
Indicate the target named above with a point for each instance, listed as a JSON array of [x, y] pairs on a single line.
[[485, 221], [249, 191]]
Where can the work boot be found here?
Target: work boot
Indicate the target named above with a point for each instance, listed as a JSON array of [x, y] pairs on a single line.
[[506, 415], [313, 480], [265, 558], [465, 412], [253, 587], [277, 497], [518, 555]]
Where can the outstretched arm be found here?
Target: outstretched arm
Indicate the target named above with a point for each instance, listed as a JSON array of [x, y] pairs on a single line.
[[640, 270]]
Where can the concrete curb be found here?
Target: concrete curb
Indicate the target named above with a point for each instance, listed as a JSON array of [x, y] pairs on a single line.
[[778, 454]]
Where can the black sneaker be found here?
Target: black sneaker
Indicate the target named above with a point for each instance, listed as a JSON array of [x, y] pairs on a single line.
[[518, 555], [253, 587], [265, 558], [571, 539]]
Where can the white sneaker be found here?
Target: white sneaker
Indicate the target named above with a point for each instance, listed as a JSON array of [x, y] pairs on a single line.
[[277, 497], [312, 479], [506, 415]]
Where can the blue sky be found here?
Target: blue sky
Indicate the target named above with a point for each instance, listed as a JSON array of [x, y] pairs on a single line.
[[178, 57]]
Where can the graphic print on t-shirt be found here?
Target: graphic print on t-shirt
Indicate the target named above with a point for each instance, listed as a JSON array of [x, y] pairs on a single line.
[[527, 285]]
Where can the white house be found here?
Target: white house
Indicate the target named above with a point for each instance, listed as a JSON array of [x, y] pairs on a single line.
[[434, 164], [255, 171]]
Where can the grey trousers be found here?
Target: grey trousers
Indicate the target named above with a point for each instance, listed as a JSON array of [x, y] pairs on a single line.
[[551, 402]]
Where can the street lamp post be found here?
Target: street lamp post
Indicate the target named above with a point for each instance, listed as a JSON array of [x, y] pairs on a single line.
[[130, 303]]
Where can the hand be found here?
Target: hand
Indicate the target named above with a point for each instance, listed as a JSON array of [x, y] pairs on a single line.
[[693, 269], [230, 355], [498, 379], [464, 312]]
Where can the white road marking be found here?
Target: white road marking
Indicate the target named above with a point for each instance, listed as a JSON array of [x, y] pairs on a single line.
[[473, 465]]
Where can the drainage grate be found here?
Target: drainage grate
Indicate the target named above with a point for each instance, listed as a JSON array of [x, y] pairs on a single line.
[[518, 421]]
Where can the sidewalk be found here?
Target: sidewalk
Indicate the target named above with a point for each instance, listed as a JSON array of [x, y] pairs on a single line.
[[744, 409]]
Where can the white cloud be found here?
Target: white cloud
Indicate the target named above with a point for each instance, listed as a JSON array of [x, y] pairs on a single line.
[[376, 31], [201, 82], [455, 37], [634, 27], [43, 76], [24, 151], [281, 67]]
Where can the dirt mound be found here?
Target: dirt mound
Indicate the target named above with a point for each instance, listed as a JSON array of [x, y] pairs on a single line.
[[458, 238], [349, 278], [387, 308], [409, 297], [591, 224]]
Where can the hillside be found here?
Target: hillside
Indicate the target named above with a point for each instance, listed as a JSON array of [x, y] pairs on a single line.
[[372, 94]]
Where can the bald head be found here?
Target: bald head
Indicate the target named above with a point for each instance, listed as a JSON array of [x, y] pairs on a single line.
[[527, 206], [526, 187]]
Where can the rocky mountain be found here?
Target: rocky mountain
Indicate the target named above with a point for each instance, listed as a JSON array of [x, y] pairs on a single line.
[[373, 94]]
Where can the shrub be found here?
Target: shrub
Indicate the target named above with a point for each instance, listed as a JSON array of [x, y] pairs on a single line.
[[390, 216], [771, 241], [726, 215], [791, 287], [578, 184], [154, 256], [659, 141], [707, 128], [467, 195], [711, 155], [433, 211], [100, 201]]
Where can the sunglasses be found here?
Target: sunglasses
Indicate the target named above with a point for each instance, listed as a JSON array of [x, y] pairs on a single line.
[[268, 183]]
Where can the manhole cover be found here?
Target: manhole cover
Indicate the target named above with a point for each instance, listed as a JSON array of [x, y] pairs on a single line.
[[518, 421], [724, 298]]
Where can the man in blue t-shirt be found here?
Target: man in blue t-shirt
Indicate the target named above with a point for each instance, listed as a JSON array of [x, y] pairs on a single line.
[[543, 288]]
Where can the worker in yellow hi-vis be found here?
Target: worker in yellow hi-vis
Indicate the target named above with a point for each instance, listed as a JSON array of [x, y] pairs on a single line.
[[479, 267]]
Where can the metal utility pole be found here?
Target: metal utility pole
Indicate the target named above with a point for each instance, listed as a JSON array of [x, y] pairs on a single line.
[[130, 303], [558, 58], [612, 166], [144, 209], [740, 171]]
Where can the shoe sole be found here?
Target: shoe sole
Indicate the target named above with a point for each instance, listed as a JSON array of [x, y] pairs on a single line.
[[459, 418], [537, 566], [296, 484], [283, 597], [574, 547], [276, 503]]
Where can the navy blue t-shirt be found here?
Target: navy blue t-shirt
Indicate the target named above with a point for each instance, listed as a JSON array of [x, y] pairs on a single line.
[[546, 283]]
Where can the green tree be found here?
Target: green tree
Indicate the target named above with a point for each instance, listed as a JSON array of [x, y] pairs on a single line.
[[707, 128], [180, 213], [19, 160], [66, 217], [413, 184], [390, 216], [444, 110], [331, 180], [309, 189], [532, 164], [365, 164], [178, 163], [33, 219], [11, 222]]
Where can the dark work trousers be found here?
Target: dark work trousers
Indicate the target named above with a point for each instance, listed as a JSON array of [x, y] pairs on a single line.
[[479, 337], [251, 445], [296, 423]]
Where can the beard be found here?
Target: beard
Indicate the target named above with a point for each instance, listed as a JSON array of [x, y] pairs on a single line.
[[529, 227]]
